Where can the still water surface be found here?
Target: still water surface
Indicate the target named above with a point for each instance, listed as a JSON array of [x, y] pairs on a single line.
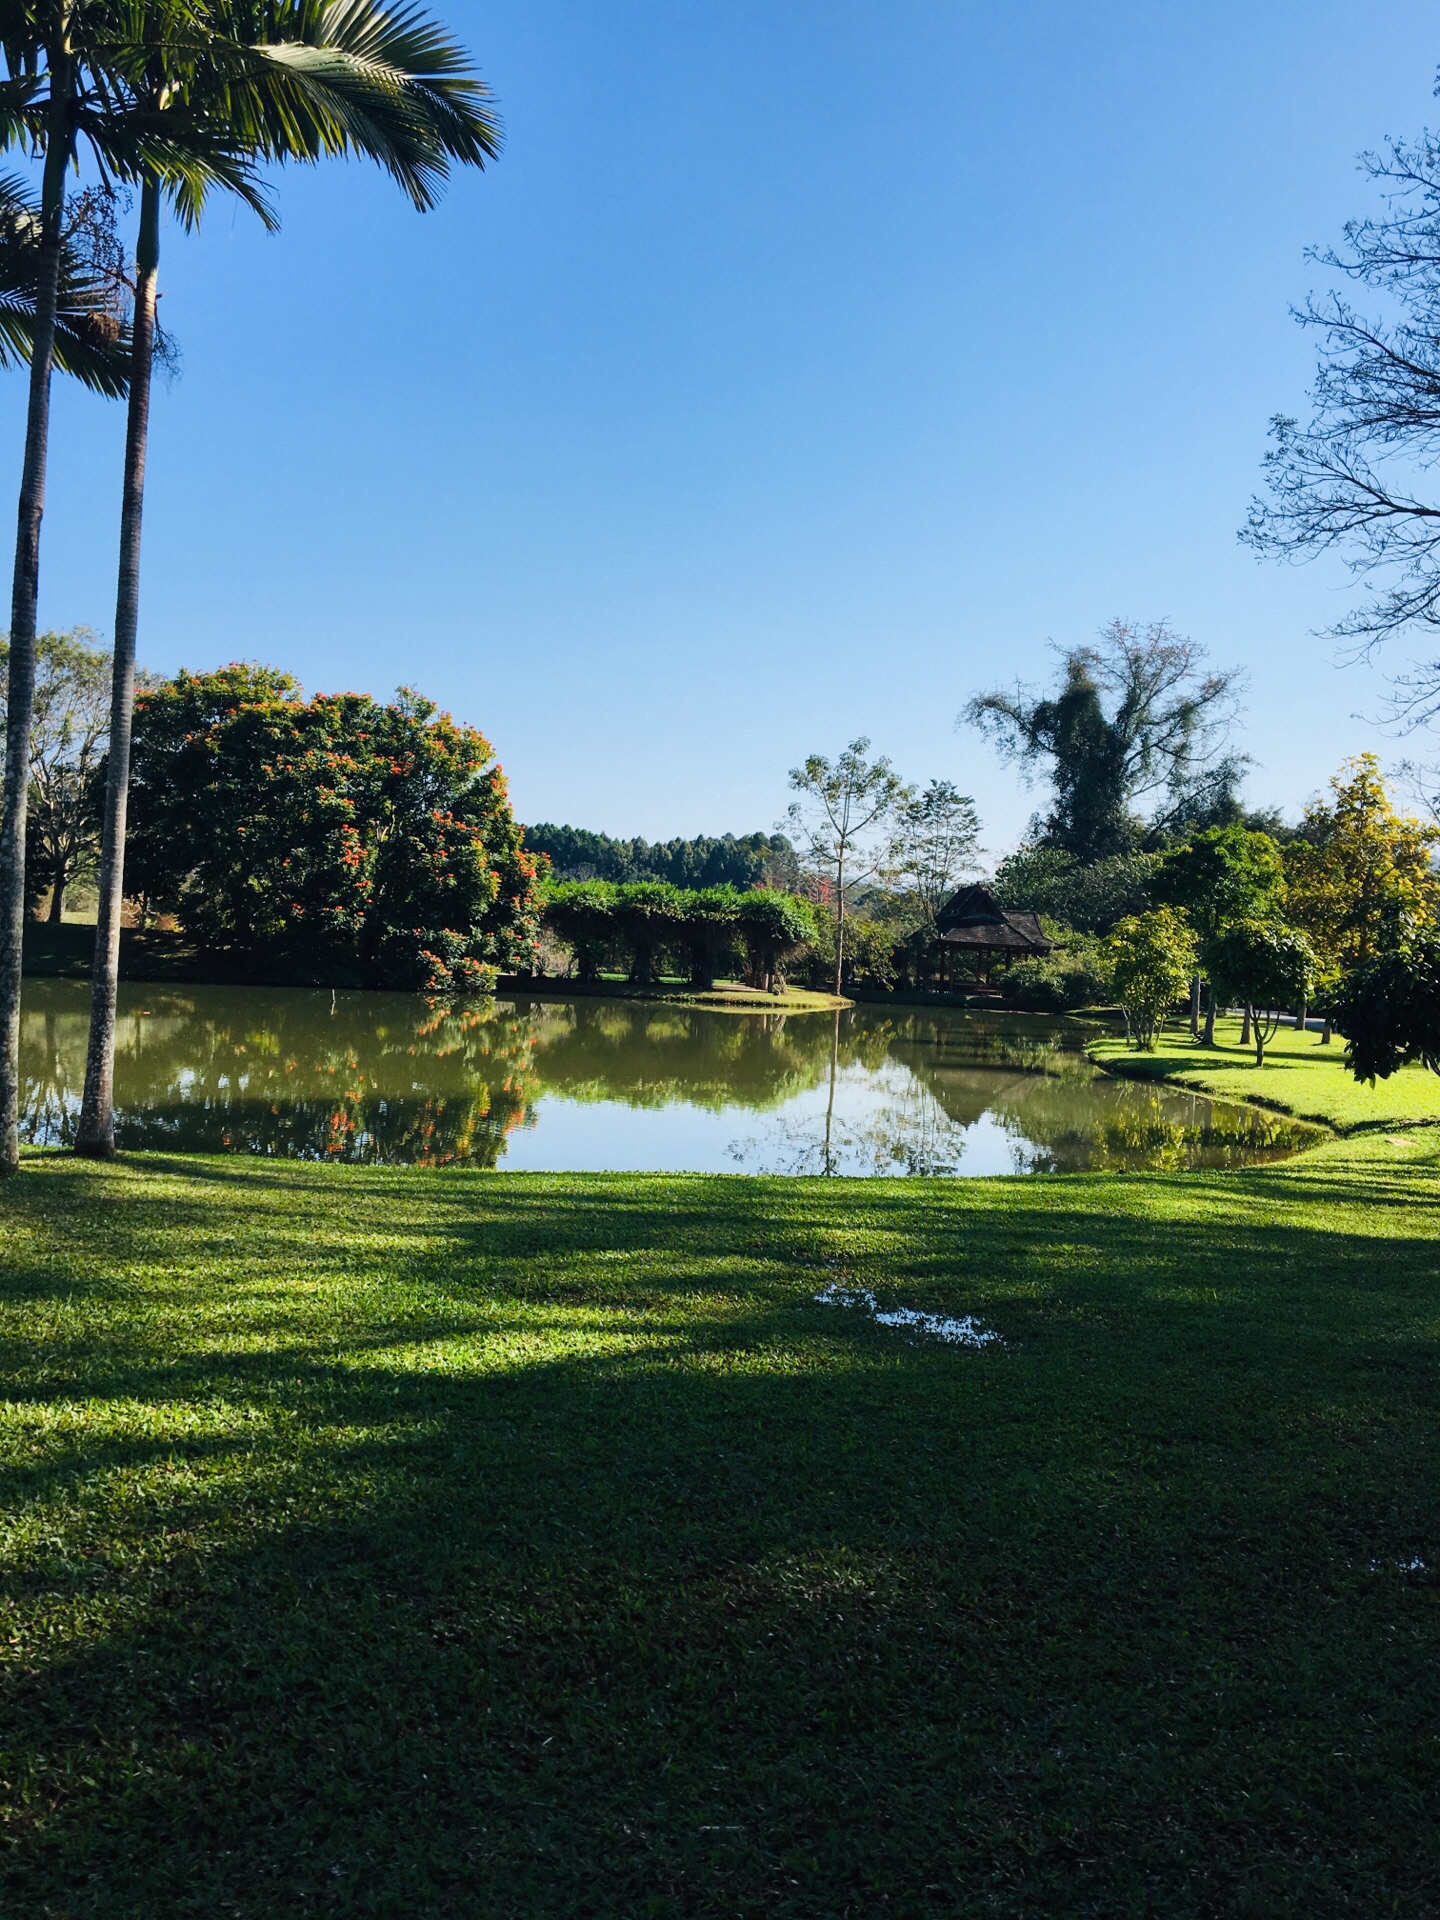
[[612, 1084]]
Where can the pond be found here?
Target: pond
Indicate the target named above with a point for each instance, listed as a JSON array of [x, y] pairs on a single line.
[[615, 1085]]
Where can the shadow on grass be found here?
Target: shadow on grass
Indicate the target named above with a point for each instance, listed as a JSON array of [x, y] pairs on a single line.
[[543, 1548]]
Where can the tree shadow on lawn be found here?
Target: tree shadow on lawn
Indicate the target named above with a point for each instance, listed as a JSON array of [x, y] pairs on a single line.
[[739, 1604]]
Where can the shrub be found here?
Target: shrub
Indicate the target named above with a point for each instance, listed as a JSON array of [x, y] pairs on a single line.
[[1077, 975], [1153, 955]]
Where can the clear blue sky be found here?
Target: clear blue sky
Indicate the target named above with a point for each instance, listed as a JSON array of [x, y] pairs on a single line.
[[797, 371]]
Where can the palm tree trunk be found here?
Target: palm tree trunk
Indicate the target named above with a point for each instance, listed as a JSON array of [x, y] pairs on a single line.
[[1207, 1039], [95, 1134], [57, 892], [24, 602], [1194, 1006]]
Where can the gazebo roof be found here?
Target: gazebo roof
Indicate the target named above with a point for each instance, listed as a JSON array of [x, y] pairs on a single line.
[[974, 918]]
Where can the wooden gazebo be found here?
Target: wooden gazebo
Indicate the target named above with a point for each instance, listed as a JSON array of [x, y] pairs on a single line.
[[972, 921]]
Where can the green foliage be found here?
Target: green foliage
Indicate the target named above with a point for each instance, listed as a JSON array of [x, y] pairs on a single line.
[[1265, 965], [1153, 956], [71, 719], [1389, 1010], [583, 914], [646, 924], [1135, 712], [575, 853], [333, 839], [1091, 898], [774, 926], [1222, 874], [650, 915], [937, 836], [1078, 974], [1360, 878]]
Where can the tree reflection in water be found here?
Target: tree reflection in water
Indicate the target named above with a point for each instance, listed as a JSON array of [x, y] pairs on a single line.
[[394, 1078]]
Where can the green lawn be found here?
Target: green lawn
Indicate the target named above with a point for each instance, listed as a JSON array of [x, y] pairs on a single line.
[[1300, 1076], [431, 1544]]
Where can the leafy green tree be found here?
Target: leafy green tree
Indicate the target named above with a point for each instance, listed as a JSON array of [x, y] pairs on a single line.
[[841, 823], [1153, 956], [576, 853], [284, 80], [1136, 714], [1266, 965], [1223, 874], [1390, 1010], [71, 708], [1360, 878], [936, 842], [331, 840], [92, 337], [1090, 898]]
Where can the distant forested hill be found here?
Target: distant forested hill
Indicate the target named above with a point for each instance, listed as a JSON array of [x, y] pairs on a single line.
[[738, 861]]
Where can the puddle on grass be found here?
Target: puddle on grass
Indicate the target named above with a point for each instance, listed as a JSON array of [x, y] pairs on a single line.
[[960, 1333]]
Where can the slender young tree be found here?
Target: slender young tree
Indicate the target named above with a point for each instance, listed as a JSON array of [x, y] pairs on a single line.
[[839, 819], [308, 82]]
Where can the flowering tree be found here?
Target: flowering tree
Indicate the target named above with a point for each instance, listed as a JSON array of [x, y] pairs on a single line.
[[333, 839]]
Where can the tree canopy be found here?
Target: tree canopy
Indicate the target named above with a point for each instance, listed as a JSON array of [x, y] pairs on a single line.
[[331, 839], [1356, 479], [1390, 1010], [1266, 965], [1136, 714], [1359, 876], [736, 860], [1153, 956]]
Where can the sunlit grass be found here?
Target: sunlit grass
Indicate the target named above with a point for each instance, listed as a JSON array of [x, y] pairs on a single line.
[[399, 1543], [1301, 1075]]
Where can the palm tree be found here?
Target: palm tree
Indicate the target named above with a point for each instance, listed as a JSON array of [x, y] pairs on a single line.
[[92, 339], [60, 91], [281, 80]]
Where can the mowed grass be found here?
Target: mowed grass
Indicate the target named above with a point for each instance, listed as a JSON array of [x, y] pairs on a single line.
[[1300, 1076], [424, 1544]]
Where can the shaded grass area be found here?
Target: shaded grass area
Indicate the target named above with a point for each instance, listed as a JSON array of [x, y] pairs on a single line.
[[401, 1543], [1300, 1076]]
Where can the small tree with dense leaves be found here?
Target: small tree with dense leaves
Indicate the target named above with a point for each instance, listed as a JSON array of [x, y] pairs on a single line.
[[1265, 964], [1153, 955], [1390, 1011], [1222, 874]]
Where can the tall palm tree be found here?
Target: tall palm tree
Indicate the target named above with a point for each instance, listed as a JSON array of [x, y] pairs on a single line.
[[92, 339], [264, 80], [60, 92]]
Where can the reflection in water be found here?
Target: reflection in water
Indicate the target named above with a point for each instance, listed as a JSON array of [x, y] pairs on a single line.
[[615, 1084]]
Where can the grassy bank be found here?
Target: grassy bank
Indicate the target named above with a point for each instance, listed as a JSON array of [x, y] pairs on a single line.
[[726, 996], [414, 1544], [1300, 1076]]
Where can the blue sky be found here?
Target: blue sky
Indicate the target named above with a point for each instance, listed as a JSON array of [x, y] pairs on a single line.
[[798, 370]]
